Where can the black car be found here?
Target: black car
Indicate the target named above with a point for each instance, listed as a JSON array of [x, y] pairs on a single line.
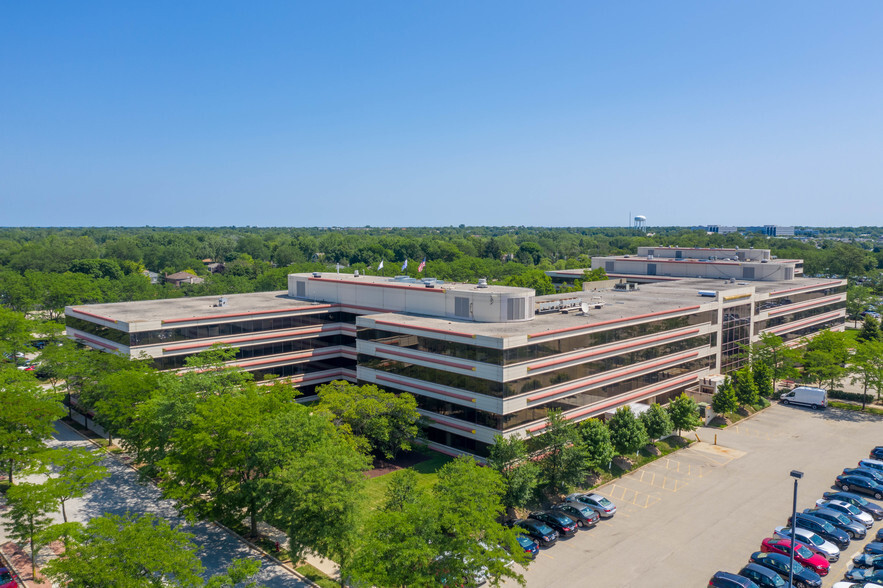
[[728, 580], [877, 452], [857, 501], [803, 577], [559, 521], [854, 529], [823, 529], [762, 576], [537, 530], [585, 516], [860, 484], [866, 560]]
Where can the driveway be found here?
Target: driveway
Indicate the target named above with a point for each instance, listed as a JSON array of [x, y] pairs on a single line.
[[707, 507], [121, 492]]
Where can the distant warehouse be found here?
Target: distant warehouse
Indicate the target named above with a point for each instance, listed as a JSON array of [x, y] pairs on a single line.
[[483, 359]]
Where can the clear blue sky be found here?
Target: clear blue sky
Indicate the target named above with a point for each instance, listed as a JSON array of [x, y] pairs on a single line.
[[439, 113]]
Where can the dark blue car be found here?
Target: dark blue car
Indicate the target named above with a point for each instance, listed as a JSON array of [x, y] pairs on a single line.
[[877, 452], [860, 484], [531, 547], [780, 563]]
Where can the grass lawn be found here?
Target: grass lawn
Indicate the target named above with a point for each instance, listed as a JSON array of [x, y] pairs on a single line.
[[316, 576], [427, 474], [850, 335]]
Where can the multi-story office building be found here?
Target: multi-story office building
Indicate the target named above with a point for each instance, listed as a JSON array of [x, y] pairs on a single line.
[[481, 360]]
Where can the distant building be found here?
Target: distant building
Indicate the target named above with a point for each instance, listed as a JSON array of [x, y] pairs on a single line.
[[178, 278], [722, 230]]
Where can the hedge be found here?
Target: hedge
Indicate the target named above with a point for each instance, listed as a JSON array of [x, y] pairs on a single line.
[[853, 396]]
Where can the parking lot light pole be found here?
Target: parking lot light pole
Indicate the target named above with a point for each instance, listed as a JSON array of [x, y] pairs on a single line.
[[796, 475]]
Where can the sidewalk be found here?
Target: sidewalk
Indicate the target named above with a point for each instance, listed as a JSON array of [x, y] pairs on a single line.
[[326, 566]]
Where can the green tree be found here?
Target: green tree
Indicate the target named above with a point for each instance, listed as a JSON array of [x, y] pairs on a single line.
[[77, 469], [136, 551], [857, 299], [15, 332], [745, 388], [870, 330], [509, 457], [866, 367], [27, 418], [763, 380], [596, 439], [684, 413], [27, 505], [401, 490], [564, 462], [656, 422], [626, 431], [772, 351], [387, 422], [724, 401]]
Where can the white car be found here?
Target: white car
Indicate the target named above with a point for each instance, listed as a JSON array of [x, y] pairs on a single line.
[[813, 541], [849, 510]]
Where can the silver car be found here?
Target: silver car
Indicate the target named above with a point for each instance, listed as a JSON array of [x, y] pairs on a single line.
[[853, 512], [813, 541], [605, 508]]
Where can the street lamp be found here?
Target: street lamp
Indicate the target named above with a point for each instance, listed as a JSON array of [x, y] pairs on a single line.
[[796, 475]]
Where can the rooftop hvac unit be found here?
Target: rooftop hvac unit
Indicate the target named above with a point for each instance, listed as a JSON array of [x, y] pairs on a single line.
[[709, 293], [356, 273], [482, 282], [222, 302], [317, 275]]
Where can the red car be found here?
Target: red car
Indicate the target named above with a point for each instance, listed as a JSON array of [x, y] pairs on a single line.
[[6, 580], [802, 554]]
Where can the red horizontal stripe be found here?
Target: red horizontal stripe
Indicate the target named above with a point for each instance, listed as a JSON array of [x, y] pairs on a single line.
[[598, 407], [685, 260], [429, 329], [822, 285], [419, 286], [452, 425], [612, 376], [815, 319], [609, 349], [461, 366], [613, 321], [255, 338], [425, 388], [817, 301], [294, 357], [96, 342], [98, 316], [252, 313]]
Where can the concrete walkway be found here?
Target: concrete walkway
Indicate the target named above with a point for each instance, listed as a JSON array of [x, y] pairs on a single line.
[[121, 492]]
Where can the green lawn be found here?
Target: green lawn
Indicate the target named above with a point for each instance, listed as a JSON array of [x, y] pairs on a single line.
[[427, 474]]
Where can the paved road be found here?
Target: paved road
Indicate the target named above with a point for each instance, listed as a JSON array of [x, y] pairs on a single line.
[[707, 508], [120, 492]]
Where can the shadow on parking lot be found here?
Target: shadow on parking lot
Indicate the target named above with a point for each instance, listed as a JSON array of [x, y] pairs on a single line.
[[838, 414]]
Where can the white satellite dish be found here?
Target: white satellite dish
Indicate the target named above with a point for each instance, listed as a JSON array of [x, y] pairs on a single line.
[[584, 307]]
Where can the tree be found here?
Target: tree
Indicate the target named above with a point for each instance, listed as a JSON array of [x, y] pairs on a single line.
[[866, 367], [870, 330], [763, 381], [564, 462], [745, 388], [626, 431], [386, 422], [684, 413], [26, 420], [857, 299], [117, 393], [772, 351], [27, 521], [596, 441], [136, 551], [77, 469], [509, 458], [15, 332], [724, 400], [656, 422]]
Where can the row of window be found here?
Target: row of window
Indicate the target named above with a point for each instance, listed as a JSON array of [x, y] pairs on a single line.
[[735, 335], [796, 316], [537, 350], [209, 331], [813, 329], [298, 369], [458, 442], [177, 361], [796, 298], [533, 382]]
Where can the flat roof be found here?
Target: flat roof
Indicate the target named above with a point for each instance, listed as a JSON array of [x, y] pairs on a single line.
[[419, 284]]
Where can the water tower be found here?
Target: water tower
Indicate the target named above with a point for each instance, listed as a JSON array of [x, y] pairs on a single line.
[[641, 223]]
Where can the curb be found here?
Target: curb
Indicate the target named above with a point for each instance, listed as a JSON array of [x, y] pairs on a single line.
[[16, 575]]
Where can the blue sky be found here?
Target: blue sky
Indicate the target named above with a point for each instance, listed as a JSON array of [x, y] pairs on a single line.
[[441, 113]]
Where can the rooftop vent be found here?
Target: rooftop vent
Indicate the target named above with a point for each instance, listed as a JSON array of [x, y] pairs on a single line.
[[625, 287], [482, 282], [317, 275], [222, 302], [709, 293], [356, 273]]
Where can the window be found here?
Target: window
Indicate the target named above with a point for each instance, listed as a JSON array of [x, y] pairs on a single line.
[[461, 306], [651, 269], [608, 266], [301, 289], [747, 273], [515, 309]]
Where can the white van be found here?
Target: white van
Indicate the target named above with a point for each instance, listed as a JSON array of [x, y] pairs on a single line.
[[806, 396]]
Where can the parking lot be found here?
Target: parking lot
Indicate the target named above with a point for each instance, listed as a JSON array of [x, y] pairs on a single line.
[[707, 507]]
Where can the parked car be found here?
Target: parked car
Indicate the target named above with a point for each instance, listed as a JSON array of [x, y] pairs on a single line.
[[823, 529], [806, 396], [559, 521], [877, 452], [860, 484], [859, 502], [537, 530], [584, 515], [811, 540], [855, 585], [864, 575], [875, 475], [606, 509], [874, 548], [872, 464], [802, 554], [6, 579], [531, 547], [803, 577], [854, 529], [879, 536], [866, 560], [728, 580], [849, 510], [762, 576]]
